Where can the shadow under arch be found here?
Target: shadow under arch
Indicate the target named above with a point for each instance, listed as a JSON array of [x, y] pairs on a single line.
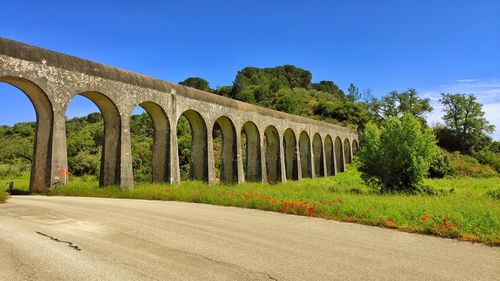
[[319, 169], [305, 155], [347, 151], [160, 168], [250, 140], [329, 157], [110, 166], [41, 162], [198, 159], [272, 149], [228, 164], [339, 155], [355, 147], [290, 149]]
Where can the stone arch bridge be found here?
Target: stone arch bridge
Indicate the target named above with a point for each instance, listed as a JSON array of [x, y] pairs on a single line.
[[278, 147]]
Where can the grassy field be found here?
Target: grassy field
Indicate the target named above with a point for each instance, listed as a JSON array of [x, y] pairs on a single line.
[[464, 208]]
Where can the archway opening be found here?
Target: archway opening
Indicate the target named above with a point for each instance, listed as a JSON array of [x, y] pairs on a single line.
[[290, 149], [192, 145], [347, 151], [150, 135], [224, 143], [339, 155], [329, 157], [319, 169], [272, 149], [93, 141], [355, 147], [305, 155], [25, 146], [250, 147]]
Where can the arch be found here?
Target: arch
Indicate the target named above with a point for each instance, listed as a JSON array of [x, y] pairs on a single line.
[[272, 149], [110, 166], [339, 155], [290, 149], [229, 166], [198, 158], [329, 157], [41, 162], [305, 155], [319, 169], [160, 162], [250, 139], [347, 151], [355, 147]]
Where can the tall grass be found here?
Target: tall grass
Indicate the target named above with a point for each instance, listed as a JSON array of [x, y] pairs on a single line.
[[463, 208]]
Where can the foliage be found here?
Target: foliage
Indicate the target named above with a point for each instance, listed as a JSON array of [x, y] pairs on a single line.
[[467, 166], [488, 157], [197, 83], [440, 165], [465, 129], [3, 196], [396, 104], [288, 88], [397, 157]]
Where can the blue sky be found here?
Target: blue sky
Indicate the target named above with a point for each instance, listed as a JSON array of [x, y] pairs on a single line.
[[432, 46]]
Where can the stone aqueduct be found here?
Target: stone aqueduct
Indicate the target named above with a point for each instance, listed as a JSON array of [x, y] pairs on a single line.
[[279, 146]]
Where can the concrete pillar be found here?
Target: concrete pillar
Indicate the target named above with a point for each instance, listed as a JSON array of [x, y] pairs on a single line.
[[175, 173], [59, 148], [239, 158], [263, 149], [282, 165], [126, 175], [298, 163], [311, 158], [210, 159], [161, 139]]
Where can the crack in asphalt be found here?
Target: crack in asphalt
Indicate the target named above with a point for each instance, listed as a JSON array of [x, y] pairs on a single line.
[[70, 244], [253, 272]]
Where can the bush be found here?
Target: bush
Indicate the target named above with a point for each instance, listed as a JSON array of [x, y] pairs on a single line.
[[440, 166], [468, 166], [3, 196], [397, 157], [488, 157]]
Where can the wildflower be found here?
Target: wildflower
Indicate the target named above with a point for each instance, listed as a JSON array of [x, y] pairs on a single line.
[[424, 217]]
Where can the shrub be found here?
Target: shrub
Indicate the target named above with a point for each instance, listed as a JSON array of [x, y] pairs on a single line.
[[468, 166], [3, 196], [488, 157], [440, 166], [397, 157]]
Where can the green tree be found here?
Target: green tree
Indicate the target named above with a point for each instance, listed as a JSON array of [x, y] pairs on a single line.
[[197, 83], [329, 87], [353, 93], [397, 157], [396, 104], [466, 129]]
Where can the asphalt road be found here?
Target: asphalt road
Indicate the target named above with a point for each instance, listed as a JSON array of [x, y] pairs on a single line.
[[71, 238]]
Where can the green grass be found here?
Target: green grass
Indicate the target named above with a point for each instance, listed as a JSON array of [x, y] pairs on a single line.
[[467, 208]]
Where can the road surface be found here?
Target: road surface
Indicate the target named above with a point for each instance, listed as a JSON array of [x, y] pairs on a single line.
[[72, 238]]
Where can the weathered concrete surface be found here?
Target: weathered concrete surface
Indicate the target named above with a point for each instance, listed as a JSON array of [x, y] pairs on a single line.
[[152, 240], [52, 79]]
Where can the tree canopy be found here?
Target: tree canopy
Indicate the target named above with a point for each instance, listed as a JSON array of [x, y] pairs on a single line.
[[465, 129]]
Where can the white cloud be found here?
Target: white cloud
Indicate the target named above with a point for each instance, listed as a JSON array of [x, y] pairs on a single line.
[[487, 92]]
